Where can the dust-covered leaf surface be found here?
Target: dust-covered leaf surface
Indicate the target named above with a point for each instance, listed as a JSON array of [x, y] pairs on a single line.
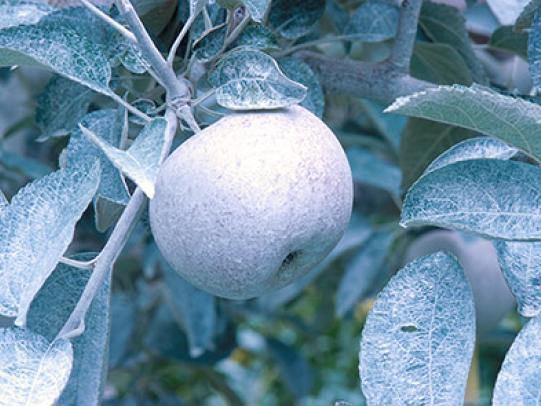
[[194, 309], [107, 124], [256, 8], [33, 370], [294, 18], [36, 229], [524, 20], [21, 12], [473, 148], [373, 21], [141, 161], [534, 50], [518, 381], [300, 72], [61, 293], [493, 198], [418, 339], [521, 267], [361, 271], [257, 36], [60, 107], [55, 45], [247, 79], [3, 201], [513, 120]]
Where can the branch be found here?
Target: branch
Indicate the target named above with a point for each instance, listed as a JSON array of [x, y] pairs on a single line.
[[75, 325], [379, 82], [117, 26], [177, 91], [405, 35]]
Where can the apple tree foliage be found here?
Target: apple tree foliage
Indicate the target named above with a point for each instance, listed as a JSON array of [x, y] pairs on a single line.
[[436, 106]]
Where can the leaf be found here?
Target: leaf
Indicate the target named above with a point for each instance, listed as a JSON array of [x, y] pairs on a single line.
[[534, 50], [369, 169], [504, 38], [493, 198], [513, 120], [51, 43], [293, 367], [390, 126], [107, 125], [20, 12], [526, 16], [193, 308], [444, 24], [473, 148], [61, 293], [33, 371], [300, 72], [141, 161], [373, 21], [439, 63], [295, 18], [507, 11], [257, 36], [521, 267], [247, 79], [518, 381], [423, 141], [3, 202], [256, 8], [25, 165], [361, 271], [60, 107], [36, 229], [210, 43], [418, 339]]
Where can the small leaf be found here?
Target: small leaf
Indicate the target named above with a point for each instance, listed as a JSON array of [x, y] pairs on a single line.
[[294, 369], [444, 24], [210, 43], [61, 293], [300, 72], [473, 148], [193, 308], [513, 120], [521, 267], [141, 161], [369, 169], [256, 8], [36, 229], [373, 21], [504, 38], [439, 63], [418, 339], [534, 50], [423, 141], [65, 51], [33, 371], [20, 12], [518, 381], [257, 36], [108, 126], [60, 107], [361, 271], [493, 198], [295, 18], [248, 79]]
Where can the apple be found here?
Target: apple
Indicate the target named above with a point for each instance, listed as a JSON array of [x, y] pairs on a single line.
[[252, 202], [493, 299]]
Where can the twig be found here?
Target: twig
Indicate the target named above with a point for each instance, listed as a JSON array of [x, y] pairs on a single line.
[[236, 31], [310, 44], [129, 107], [115, 24], [75, 325], [180, 37], [405, 36], [78, 264]]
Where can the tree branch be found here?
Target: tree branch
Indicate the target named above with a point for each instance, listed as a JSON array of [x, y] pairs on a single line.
[[361, 79], [405, 35]]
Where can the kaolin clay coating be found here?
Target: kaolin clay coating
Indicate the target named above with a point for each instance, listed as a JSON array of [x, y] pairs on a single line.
[[252, 202]]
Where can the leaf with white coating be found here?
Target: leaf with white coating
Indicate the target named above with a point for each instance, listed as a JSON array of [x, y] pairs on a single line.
[[141, 161], [534, 50], [489, 197], [247, 79], [507, 11], [37, 228], [373, 21], [478, 108], [521, 267], [418, 339], [256, 8], [33, 371], [20, 12], [3, 201], [518, 381], [473, 148]]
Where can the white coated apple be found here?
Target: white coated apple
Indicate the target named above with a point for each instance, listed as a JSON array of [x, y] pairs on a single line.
[[493, 299], [252, 202]]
